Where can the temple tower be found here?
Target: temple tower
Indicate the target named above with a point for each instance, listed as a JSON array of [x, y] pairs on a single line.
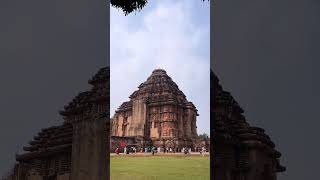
[[159, 112], [88, 114]]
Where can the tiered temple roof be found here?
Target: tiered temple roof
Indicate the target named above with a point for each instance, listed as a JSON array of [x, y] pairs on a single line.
[[98, 93], [158, 82], [59, 138], [231, 125], [158, 88], [48, 141]]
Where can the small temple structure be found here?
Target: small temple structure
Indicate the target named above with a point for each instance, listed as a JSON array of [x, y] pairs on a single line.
[[157, 114], [241, 152], [77, 148]]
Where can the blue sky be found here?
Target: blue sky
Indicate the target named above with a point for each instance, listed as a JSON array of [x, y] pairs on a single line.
[[169, 34]]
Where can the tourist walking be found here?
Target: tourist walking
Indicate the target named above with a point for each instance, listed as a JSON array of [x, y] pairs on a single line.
[[203, 151], [153, 149], [117, 151], [185, 151]]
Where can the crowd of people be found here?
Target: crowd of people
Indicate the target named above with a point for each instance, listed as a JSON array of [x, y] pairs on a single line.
[[153, 150], [126, 150]]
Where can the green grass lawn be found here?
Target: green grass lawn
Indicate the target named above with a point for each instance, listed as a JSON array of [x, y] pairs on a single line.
[[160, 168]]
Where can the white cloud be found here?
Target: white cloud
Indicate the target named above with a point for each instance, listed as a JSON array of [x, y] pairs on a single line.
[[163, 37]]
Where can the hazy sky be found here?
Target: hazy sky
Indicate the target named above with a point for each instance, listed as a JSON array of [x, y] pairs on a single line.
[[267, 55], [173, 35]]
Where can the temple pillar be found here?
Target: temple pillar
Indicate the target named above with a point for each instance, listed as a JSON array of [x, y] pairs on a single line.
[[188, 129], [89, 159], [139, 112]]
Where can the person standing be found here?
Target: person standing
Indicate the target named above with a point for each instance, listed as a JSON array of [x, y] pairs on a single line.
[[125, 150]]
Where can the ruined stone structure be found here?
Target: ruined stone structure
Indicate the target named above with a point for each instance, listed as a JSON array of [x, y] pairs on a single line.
[[241, 152], [158, 113], [77, 149]]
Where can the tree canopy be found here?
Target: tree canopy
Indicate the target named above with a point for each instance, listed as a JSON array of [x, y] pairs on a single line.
[[129, 6], [203, 136]]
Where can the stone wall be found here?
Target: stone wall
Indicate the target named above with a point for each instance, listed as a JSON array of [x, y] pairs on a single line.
[[88, 152], [64, 177], [138, 123]]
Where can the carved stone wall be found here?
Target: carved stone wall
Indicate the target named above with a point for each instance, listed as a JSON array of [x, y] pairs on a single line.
[[88, 114]]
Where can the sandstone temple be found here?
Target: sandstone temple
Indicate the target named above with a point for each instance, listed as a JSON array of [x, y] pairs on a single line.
[[157, 114], [76, 149], [241, 152]]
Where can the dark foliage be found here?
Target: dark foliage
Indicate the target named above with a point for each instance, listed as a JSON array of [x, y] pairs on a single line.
[[128, 6], [203, 136]]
